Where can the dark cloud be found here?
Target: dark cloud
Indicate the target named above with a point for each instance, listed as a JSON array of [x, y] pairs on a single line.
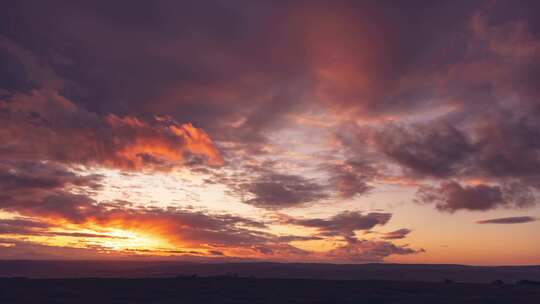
[[237, 69], [369, 251], [510, 145], [451, 196], [55, 129], [505, 152], [30, 227], [344, 224], [479, 122], [431, 149], [509, 220], [396, 234], [276, 191], [296, 238], [21, 249], [272, 249], [21, 226], [352, 178], [225, 63], [27, 175], [44, 189], [505, 145]]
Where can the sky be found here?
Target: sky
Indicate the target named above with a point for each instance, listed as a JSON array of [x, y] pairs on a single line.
[[291, 131]]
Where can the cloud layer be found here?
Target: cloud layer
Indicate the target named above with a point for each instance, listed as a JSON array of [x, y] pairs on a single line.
[[286, 119]]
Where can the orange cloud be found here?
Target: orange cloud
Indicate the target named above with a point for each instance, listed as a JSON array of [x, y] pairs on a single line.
[[56, 129]]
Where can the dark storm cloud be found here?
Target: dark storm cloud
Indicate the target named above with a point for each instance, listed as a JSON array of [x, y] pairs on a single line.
[[276, 191], [228, 68], [237, 68], [344, 224], [221, 61], [509, 220]]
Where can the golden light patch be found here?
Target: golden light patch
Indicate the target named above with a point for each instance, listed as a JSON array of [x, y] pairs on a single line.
[[123, 239]]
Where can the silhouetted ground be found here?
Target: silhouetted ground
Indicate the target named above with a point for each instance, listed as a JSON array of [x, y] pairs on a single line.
[[150, 282], [153, 269], [207, 290]]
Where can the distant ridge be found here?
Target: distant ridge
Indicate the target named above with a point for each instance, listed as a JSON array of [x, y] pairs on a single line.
[[152, 269]]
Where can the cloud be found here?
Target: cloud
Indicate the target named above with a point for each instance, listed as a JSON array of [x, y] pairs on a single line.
[[352, 178], [344, 223], [509, 146], [63, 203], [435, 149], [369, 251], [509, 220], [396, 234], [55, 128], [20, 249], [21, 226], [277, 191], [280, 249], [37, 175], [226, 92], [445, 97], [31, 227], [176, 226], [451, 196], [477, 123]]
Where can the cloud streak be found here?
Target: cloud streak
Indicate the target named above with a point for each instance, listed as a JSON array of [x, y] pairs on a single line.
[[509, 220]]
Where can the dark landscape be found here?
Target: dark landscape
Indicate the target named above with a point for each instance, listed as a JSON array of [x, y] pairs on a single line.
[[250, 290], [317, 271], [182, 282]]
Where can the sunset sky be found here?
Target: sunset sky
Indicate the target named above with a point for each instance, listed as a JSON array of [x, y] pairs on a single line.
[[294, 131]]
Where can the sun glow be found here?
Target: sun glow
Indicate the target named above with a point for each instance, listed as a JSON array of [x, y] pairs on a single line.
[[121, 240]]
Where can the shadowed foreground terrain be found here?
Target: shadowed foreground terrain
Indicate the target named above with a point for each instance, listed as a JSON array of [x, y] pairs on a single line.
[[153, 269], [250, 290], [185, 282]]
